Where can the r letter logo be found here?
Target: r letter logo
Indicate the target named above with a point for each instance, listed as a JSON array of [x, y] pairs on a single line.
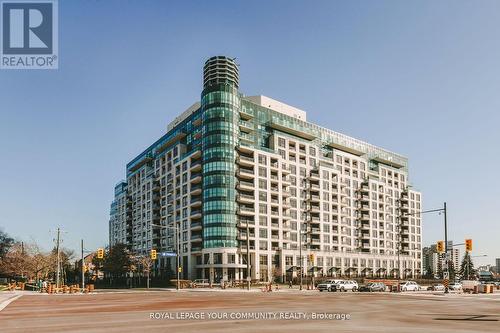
[[29, 34]]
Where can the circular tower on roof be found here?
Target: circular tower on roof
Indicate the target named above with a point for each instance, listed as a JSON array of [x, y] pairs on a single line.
[[220, 105], [220, 70]]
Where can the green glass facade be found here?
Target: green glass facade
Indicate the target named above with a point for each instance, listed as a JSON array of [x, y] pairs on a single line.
[[220, 104]]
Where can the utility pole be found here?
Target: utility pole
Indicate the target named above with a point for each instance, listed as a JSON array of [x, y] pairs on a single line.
[[83, 270], [58, 269], [446, 272]]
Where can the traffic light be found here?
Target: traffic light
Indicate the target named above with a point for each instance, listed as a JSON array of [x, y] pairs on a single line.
[[311, 257], [468, 245], [440, 246], [153, 254], [100, 253]]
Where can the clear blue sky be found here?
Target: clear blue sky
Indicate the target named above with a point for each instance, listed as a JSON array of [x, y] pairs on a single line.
[[419, 78]]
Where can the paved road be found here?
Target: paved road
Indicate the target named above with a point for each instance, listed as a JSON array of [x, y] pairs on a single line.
[[132, 312]]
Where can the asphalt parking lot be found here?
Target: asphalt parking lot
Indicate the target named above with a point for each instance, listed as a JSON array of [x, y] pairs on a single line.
[[243, 311]]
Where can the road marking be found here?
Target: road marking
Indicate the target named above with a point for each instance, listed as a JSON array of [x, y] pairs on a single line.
[[4, 304]]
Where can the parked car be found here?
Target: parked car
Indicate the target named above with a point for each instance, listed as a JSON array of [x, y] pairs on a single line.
[[409, 286], [455, 286], [436, 287], [373, 286], [346, 285], [328, 285]]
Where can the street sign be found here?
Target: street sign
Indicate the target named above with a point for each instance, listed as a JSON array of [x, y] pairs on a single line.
[[168, 254], [446, 275]]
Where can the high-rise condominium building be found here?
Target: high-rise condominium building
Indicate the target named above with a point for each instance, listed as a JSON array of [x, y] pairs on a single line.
[[234, 169]]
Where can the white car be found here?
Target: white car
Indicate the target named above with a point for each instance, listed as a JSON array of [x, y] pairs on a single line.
[[409, 286], [455, 286], [327, 285], [346, 285]]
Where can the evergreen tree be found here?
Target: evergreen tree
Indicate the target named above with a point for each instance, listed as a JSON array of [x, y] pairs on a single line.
[[467, 270], [117, 261]]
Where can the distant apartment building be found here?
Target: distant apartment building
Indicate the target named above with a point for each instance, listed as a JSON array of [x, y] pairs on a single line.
[[234, 172], [433, 262]]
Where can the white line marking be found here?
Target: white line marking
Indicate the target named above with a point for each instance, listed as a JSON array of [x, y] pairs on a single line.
[[4, 304]]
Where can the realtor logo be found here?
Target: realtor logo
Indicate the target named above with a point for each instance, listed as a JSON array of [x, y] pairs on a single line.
[[29, 34]]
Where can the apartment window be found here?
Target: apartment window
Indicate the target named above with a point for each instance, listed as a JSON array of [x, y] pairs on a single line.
[[282, 153], [217, 258], [262, 220], [281, 142], [262, 159], [262, 172]]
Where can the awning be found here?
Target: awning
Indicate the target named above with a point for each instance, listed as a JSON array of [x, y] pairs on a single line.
[[315, 268]]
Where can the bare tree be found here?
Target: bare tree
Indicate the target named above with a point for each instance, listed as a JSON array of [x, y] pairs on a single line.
[[145, 263]]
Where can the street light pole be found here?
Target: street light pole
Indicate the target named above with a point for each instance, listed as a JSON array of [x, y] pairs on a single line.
[[443, 210], [83, 269], [58, 269], [399, 239], [178, 255], [300, 255], [446, 263], [248, 257], [177, 230]]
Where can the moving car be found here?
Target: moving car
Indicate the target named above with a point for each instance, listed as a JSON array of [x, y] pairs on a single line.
[[455, 286], [346, 285], [436, 287], [373, 286], [327, 285], [409, 286]]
